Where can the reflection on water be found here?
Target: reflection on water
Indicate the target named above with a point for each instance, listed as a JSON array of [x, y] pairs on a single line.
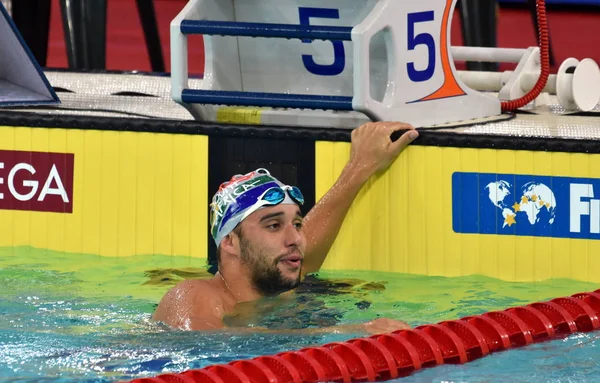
[[170, 276]]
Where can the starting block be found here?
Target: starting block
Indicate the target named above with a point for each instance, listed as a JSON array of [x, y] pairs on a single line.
[[299, 62]]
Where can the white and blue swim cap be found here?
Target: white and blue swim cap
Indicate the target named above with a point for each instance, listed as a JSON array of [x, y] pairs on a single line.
[[243, 195]]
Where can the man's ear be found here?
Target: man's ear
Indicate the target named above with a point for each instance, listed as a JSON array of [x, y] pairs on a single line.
[[230, 244]]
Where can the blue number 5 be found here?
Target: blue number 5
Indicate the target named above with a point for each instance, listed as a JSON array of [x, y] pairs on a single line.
[[339, 62], [420, 39]]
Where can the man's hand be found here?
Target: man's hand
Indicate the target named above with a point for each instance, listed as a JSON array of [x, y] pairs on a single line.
[[372, 148], [384, 326]]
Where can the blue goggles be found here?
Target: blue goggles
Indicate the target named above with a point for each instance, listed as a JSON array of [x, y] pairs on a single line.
[[276, 195]]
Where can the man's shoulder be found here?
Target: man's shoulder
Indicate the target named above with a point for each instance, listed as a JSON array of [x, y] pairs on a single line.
[[191, 288], [188, 293], [187, 301]]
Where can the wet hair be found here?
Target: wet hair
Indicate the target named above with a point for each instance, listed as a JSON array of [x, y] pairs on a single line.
[[215, 261]]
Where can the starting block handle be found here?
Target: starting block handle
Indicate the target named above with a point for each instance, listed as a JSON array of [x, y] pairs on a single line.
[[287, 31], [261, 99]]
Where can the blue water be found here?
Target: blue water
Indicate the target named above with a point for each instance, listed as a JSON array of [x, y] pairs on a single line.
[[78, 318]]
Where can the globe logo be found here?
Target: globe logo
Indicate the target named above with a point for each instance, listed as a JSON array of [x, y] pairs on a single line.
[[535, 203]]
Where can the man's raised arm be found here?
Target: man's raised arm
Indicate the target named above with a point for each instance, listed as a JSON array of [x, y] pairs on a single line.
[[372, 151]]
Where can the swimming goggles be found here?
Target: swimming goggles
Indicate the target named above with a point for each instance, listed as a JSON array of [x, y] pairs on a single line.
[[274, 196]]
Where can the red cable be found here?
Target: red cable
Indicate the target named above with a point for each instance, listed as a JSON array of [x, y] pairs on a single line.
[[544, 60]]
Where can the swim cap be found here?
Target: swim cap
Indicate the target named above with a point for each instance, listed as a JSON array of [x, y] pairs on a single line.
[[243, 195]]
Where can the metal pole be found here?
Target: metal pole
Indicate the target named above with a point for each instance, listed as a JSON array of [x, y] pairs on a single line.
[[84, 24], [148, 19], [479, 28]]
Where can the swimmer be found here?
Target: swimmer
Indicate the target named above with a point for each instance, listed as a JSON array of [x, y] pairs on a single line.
[[264, 244]]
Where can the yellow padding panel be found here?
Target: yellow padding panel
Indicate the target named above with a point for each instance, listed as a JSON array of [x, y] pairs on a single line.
[[133, 193], [401, 221]]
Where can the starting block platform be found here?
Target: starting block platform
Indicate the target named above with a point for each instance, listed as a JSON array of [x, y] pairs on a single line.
[[146, 97], [126, 164]]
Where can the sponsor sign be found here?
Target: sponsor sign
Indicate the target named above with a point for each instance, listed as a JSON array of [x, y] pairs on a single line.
[[36, 181]]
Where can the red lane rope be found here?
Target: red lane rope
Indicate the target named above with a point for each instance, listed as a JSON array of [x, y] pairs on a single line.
[[544, 42], [400, 353]]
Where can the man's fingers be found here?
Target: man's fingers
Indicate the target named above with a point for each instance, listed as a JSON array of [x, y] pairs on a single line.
[[405, 139], [395, 126], [398, 129]]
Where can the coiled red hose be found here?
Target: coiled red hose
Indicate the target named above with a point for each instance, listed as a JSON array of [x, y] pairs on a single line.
[[389, 356], [544, 61]]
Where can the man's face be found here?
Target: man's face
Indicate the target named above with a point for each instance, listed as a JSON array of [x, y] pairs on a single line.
[[272, 247]]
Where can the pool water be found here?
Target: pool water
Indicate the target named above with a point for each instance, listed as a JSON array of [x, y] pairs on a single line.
[[85, 318]]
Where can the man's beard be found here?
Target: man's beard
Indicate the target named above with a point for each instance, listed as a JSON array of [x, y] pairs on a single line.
[[265, 276]]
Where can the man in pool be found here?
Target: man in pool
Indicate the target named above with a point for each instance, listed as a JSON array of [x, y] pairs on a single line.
[[264, 245]]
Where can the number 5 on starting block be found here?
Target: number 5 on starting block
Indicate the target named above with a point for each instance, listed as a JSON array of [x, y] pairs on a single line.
[[388, 59], [422, 85]]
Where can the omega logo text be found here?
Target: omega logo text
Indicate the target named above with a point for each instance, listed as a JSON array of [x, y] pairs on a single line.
[[36, 181]]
